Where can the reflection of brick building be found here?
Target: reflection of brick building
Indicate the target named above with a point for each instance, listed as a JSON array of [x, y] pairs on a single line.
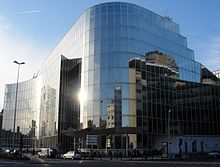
[[111, 115]]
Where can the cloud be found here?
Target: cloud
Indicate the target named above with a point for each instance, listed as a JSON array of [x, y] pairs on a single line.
[[17, 46], [30, 11]]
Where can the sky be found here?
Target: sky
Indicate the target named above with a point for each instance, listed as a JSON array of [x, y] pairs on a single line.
[[31, 29]]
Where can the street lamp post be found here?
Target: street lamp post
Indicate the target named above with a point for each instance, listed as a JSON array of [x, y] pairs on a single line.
[[168, 128], [100, 114], [16, 96], [100, 126]]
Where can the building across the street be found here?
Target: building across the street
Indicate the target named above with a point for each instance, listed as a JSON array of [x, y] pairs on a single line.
[[123, 77], [1, 117], [217, 73]]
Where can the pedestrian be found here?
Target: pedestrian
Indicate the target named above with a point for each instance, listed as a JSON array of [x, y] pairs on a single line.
[[110, 154]]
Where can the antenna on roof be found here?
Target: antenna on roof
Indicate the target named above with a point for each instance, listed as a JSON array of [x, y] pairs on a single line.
[[164, 13], [168, 18]]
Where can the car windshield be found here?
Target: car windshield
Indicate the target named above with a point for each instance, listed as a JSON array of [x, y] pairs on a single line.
[[70, 152]]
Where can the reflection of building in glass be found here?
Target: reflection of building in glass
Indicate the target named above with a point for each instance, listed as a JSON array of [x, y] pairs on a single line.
[[27, 117], [69, 102], [165, 62], [1, 116], [208, 77], [114, 110], [114, 118], [217, 73], [190, 103], [103, 57], [111, 115], [47, 124]]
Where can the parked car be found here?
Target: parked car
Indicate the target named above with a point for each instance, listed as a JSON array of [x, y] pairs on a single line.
[[77, 155], [7, 151], [44, 152], [72, 155], [214, 154], [54, 153]]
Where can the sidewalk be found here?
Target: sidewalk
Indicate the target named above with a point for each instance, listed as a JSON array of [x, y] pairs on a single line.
[[149, 159]]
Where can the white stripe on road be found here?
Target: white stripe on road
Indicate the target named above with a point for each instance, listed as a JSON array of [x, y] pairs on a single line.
[[41, 160], [179, 162]]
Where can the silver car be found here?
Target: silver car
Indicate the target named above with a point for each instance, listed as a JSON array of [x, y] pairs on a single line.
[[72, 155], [214, 154]]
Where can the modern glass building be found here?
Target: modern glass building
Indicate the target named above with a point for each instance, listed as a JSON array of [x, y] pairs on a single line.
[[122, 77]]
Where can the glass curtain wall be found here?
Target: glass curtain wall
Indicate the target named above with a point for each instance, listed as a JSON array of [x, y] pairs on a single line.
[[27, 114], [190, 108], [105, 53], [117, 33]]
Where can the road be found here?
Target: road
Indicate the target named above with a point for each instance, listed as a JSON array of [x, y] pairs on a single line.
[[36, 162]]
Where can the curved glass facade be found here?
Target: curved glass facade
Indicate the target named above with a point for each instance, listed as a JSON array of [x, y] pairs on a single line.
[[119, 32], [27, 114], [129, 66]]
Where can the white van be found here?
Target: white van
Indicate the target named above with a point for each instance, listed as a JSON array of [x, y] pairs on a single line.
[[44, 152]]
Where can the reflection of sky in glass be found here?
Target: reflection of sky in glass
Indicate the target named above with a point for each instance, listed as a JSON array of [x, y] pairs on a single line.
[[125, 121], [125, 107]]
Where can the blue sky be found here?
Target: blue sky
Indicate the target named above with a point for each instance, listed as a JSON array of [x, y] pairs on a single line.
[[30, 29]]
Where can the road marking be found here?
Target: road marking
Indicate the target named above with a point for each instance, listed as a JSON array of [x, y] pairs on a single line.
[[44, 163], [178, 162]]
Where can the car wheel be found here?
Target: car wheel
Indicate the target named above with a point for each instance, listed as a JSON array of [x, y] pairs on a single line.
[[72, 157]]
